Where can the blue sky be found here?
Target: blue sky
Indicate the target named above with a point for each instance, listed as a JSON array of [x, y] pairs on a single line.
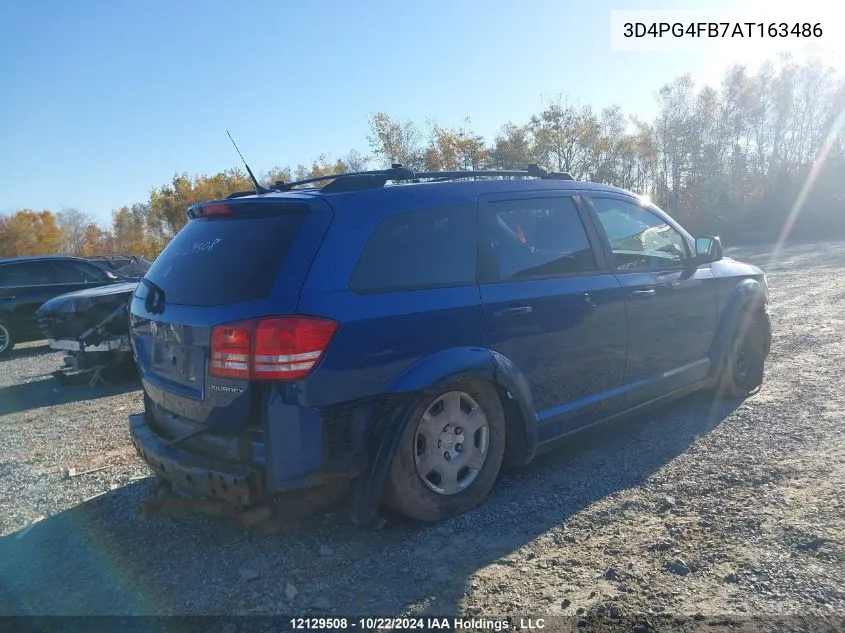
[[103, 100]]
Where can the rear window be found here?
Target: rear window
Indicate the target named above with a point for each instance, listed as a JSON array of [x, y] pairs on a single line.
[[434, 248], [227, 259]]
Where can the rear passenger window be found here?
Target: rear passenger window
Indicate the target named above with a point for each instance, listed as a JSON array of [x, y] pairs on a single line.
[[27, 274], [422, 249], [533, 238]]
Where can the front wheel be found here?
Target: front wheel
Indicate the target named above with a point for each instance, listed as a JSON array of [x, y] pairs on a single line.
[[450, 453], [743, 369], [7, 341]]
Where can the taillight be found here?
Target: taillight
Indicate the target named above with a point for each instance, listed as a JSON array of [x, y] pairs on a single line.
[[231, 345], [287, 348], [275, 348]]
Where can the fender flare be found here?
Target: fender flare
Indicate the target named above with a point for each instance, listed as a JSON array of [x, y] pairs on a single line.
[[748, 296], [411, 388], [519, 411]]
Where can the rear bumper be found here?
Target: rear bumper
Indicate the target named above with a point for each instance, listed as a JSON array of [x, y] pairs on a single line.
[[117, 344], [232, 483], [297, 450]]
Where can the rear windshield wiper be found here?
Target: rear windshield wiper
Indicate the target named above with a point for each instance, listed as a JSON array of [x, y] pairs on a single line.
[[154, 301]]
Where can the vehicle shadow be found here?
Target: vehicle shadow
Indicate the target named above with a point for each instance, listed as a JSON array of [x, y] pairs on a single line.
[[580, 471], [100, 557], [49, 391]]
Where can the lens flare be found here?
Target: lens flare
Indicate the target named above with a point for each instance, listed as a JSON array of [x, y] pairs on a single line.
[[828, 144]]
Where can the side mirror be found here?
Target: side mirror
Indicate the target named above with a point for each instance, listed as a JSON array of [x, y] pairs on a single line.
[[707, 249]]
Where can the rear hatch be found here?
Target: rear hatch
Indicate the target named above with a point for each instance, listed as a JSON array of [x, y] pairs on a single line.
[[234, 262]]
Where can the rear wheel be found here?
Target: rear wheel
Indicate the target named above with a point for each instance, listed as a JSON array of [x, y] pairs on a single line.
[[743, 370], [7, 341], [450, 453]]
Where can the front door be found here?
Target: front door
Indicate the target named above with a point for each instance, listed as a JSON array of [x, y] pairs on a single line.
[[551, 307], [76, 274], [671, 306]]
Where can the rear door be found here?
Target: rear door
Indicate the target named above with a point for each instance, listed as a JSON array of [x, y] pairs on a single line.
[[551, 306], [671, 306], [24, 286], [238, 260]]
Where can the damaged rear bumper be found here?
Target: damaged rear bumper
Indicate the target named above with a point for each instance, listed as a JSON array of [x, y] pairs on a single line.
[[117, 344], [232, 483]]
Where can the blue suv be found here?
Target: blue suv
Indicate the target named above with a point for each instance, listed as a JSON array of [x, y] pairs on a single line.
[[415, 332]]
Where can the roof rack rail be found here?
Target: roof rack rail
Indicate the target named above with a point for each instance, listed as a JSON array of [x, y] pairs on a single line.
[[358, 180], [372, 180], [541, 172], [396, 172], [355, 182]]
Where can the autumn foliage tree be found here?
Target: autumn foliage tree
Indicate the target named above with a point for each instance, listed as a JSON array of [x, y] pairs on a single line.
[[131, 231], [513, 148], [396, 142], [455, 148], [30, 232], [94, 241], [168, 203]]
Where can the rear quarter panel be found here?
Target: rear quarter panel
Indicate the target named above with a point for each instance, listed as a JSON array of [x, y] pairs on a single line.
[[383, 335]]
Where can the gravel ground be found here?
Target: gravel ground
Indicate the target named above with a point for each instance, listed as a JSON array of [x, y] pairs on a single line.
[[700, 510]]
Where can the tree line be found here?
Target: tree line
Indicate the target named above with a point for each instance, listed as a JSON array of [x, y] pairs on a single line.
[[741, 159]]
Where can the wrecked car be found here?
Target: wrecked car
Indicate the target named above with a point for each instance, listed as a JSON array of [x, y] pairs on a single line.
[[28, 282], [130, 266], [91, 325]]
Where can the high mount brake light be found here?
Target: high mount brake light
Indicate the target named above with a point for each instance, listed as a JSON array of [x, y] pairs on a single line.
[[215, 209], [273, 348]]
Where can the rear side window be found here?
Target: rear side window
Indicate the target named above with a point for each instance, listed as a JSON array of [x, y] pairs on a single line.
[[27, 274], [533, 238], [434, 248], [226, 259]]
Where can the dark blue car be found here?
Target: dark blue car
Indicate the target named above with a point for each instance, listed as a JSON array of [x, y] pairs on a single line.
[[414, 333]]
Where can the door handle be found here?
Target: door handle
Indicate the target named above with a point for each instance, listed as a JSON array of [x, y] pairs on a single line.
[[514, 311], [642, 294]]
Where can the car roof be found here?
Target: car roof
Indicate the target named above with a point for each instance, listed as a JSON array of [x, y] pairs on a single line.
[[36, 258], [453, 192]]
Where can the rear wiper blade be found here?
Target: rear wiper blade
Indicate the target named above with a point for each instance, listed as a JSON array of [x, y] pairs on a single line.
[[153, 305]]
